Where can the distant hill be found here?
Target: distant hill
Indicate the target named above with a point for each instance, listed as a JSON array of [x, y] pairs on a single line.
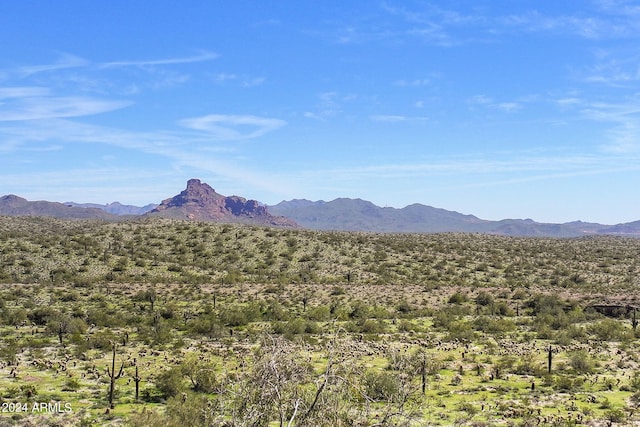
[[12, 205], [359, 215], [629, 228], [116, 208], [200, 202]]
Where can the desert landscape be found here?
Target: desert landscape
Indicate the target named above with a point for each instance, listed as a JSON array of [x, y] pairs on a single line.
[[319, 214], [156, 321]]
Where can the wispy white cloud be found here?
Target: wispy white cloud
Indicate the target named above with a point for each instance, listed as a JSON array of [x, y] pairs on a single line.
[[596, 20], [483, 170], [617, 68], [65, 61], [509, 107], [480, 100], [330, 104], [428, 13], [397, 118], [23, 92], [548, 176], [224, 77], [624, 135], [19, 103], [101, 78], [624, 139], [254, 81], [39, 108], [96, 184], [203, 56], [535, 21], [388, 118], [312, 115], [568, 101], [433, 24], [185, 151], [242, 80], [233, 127], [413, 83], [449, 27], [488, 102], [66, 131]]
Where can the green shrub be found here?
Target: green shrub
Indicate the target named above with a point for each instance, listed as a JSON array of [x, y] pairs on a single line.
[[201, 374], [484, 299], [563, 383], [359, 310], [493, 325], [458, 298], [338, 290], [319, 313], [615, 415], [208, 325], [14, 317], [240, 315], [71, 384], [634, 383], [381, 386], [192, 410], [42, 315], [467, 407], [609, 330], [371, 326], [581, 361], [170, 382], [461, 331]]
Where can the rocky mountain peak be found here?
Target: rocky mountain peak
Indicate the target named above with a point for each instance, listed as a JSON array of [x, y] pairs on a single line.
[[200, 202], [197, 193]]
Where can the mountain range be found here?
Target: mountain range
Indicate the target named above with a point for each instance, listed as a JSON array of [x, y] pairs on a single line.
[[12, 205], [361, 215], [200, 202], [116, 208]]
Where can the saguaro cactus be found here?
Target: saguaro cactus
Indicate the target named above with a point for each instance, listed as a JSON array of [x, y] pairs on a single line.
[[63, 328], [137, 379], [112, 374], [423, 372]]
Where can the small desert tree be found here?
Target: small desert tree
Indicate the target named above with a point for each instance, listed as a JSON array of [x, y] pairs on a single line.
[[272, 391]]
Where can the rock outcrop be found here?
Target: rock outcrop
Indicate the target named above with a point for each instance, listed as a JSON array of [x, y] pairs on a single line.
[[200, 202]]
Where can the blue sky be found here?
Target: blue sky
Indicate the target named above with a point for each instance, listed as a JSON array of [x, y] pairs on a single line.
[[501, 109]]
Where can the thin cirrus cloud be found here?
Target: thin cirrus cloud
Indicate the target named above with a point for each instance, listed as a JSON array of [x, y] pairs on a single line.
[[183, 151], [624, 135], [38, 107], [397, 118], [65, 61], [23, 91], [203, 56], [447, 27], [485, 101], [486, 172], [413, 83], [233, 127], [242, 80]]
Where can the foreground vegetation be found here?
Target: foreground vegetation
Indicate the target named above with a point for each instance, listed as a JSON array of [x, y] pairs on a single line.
[[168, 323]]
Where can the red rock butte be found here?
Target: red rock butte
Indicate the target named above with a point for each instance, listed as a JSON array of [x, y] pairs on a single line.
[[200, 202]]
